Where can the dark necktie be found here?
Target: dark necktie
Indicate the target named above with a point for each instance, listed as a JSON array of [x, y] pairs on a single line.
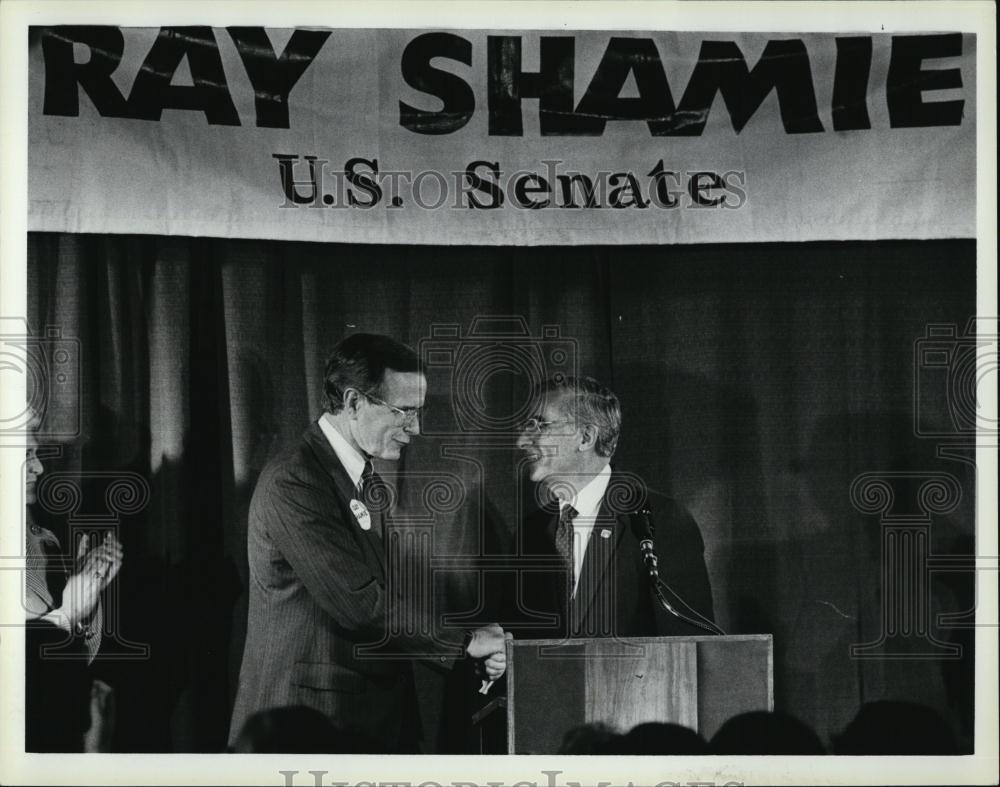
[[564, 539], [364, 483], [373, 499]]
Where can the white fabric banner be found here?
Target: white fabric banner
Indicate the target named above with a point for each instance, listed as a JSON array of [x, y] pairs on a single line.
[[501, 137]]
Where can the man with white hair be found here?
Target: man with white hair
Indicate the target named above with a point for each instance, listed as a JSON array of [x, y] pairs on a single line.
[[583, 545]]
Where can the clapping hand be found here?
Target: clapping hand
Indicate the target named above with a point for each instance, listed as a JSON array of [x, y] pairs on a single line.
[[94, 570], [104, 560]]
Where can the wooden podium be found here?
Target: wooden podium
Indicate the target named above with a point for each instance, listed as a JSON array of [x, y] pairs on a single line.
[[700, 682]]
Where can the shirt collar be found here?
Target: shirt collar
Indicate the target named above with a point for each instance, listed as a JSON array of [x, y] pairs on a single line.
[[588, 500], [352, 460]]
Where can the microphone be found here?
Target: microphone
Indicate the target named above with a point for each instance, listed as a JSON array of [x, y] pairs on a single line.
[[642, 527]]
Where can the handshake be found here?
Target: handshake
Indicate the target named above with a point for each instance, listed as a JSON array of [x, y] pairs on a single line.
[[486, 646]]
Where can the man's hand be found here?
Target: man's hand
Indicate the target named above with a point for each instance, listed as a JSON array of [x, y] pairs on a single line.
[[486, 641], [487, 646], [494, 667]]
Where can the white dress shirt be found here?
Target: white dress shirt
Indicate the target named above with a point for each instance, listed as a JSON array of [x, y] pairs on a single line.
[[587, 504], [352, 460]]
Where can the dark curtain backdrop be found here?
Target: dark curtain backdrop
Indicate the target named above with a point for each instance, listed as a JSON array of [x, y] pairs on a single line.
[[757, 381]]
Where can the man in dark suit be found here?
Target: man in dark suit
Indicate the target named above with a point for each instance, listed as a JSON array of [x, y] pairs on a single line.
[[582, 573], [327, 622]]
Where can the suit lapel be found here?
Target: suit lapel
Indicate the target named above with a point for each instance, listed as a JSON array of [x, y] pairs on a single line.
[[346, 492], [595, 574], [558, 587]]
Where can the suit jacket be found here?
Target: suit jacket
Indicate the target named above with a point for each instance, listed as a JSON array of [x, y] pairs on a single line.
[[318, 591], [613, 597]]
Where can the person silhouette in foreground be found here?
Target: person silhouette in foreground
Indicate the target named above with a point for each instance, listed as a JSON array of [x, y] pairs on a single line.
[[594, 738], [765, 732], [895, 727], [660, 738], [298, 729]]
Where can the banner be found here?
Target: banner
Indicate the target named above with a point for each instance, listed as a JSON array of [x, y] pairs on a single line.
[[501, 137]]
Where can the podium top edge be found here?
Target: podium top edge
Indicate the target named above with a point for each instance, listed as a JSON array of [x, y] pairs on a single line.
[[578, 641]]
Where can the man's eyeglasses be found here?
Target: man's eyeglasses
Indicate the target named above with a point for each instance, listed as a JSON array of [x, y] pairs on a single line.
[[406, 415], [538, 425]]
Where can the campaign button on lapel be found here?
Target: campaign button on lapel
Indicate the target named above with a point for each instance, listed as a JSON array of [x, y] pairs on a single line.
[[361, 514]]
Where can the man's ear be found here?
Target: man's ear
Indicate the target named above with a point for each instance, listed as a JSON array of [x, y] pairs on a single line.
[[588, 437], [351, 400]]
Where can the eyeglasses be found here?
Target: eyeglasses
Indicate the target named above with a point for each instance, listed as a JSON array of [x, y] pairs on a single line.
[[537, 425], [405, 415]]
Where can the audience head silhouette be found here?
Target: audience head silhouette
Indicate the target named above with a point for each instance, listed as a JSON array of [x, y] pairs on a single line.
[[657, 738], [296, 729], [763, 732], [594, 738], [894, 727]]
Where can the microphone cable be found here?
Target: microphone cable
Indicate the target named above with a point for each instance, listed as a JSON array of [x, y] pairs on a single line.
[[703, 623], [651, 562]]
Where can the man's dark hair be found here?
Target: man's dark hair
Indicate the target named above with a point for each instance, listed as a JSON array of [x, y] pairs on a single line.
[[360, 361], [589, 402]]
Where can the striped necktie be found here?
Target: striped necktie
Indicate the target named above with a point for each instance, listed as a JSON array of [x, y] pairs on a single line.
[[564, 539]]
